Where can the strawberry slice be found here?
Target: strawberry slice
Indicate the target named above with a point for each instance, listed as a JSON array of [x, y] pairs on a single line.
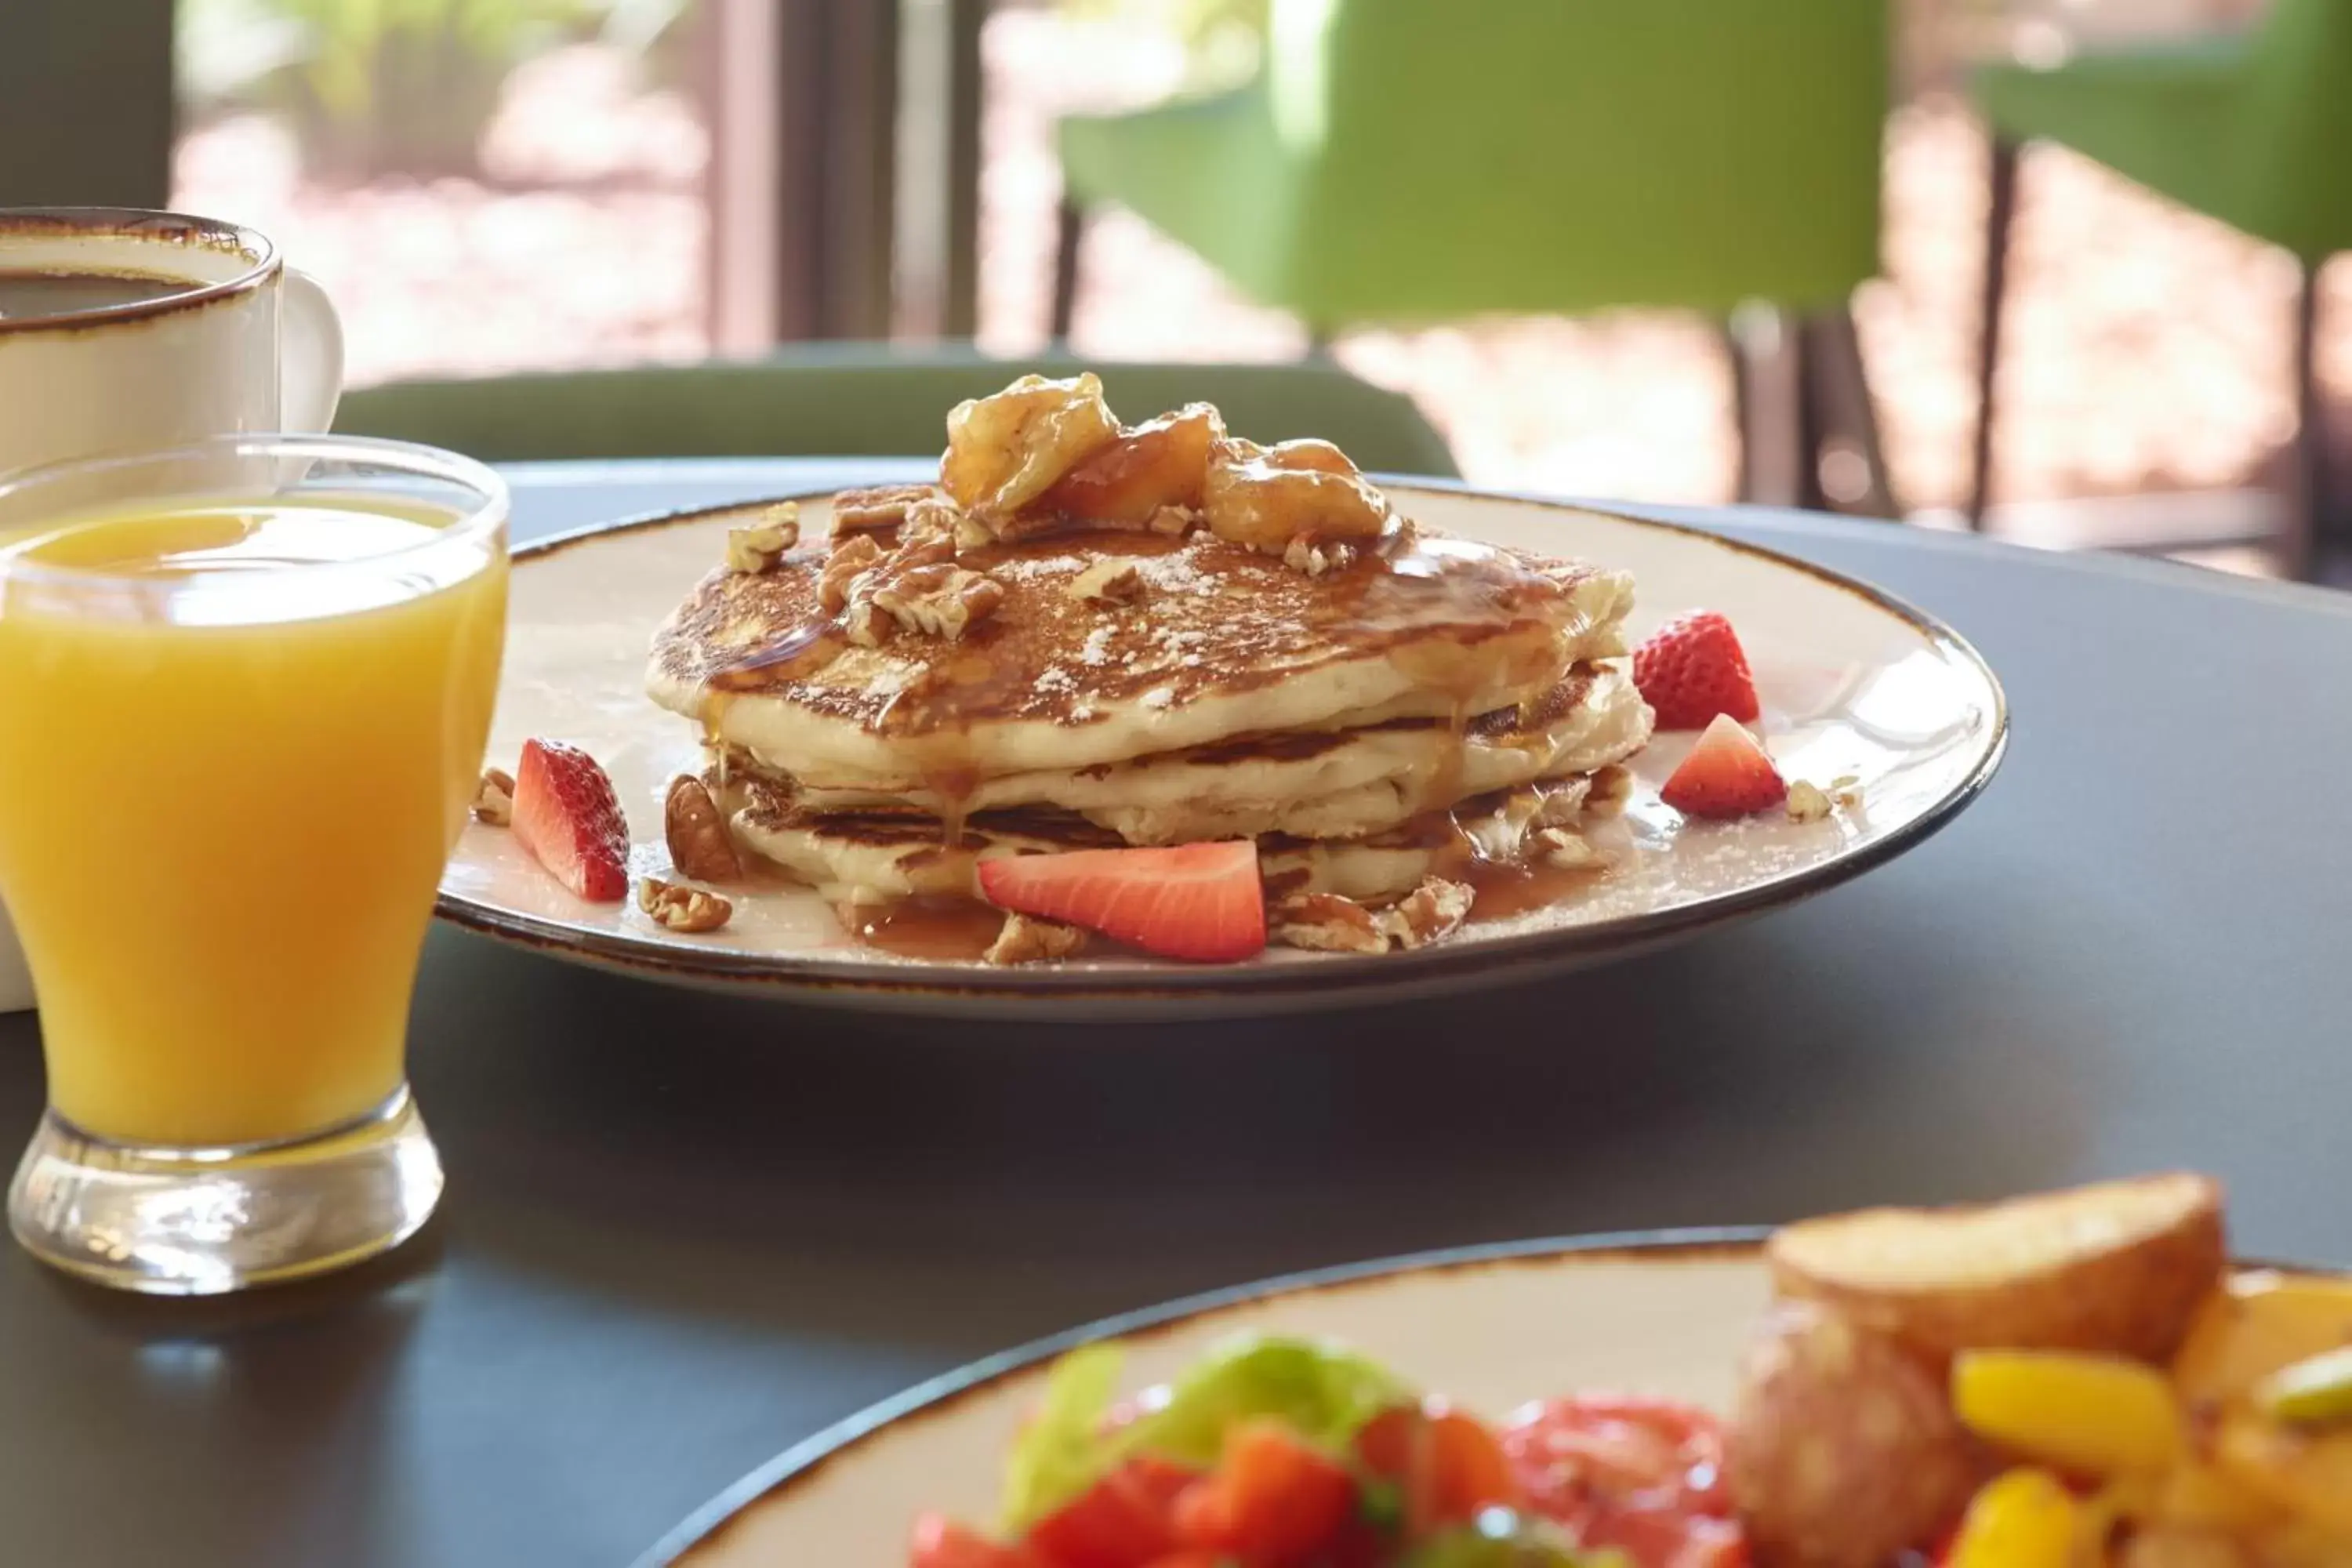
[[1196, 900], [1727, 773], [566, 815], [1693, 669]]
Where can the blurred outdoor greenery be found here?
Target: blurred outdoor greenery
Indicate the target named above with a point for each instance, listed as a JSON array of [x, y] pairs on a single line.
[[378, 86]]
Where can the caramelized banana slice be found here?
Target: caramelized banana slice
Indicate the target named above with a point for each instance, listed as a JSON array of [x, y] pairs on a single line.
[[1006, 450], [1265, 497]]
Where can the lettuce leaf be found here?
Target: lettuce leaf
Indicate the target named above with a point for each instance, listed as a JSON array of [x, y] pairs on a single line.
[[1323, 1393], [1061, 1451]]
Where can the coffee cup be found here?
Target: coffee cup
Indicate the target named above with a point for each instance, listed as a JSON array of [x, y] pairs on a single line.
[[122, 330]]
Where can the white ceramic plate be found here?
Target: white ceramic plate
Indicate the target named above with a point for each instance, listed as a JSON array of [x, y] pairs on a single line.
[[1852, 682], [1490, 1329]]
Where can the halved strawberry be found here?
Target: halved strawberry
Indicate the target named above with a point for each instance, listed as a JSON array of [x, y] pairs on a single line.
[[1195, 901], [1692, 668], [1727, 773], [566, 815]]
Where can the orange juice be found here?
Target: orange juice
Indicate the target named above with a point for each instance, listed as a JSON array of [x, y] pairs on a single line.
[[237, 744]]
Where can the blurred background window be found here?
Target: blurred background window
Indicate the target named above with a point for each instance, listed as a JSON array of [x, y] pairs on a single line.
[[492, 184], [482, 185]]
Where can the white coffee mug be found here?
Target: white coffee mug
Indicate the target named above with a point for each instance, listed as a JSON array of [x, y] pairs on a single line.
[[231, 340]]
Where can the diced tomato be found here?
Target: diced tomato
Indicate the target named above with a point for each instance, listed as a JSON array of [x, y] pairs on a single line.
[[1443, 1462], [1643, 1475], [1272, 1501], [941, 1542], [1191, 1560], [1123, 1521]]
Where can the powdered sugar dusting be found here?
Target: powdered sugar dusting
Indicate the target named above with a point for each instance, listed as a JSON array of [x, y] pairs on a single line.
[[1175, 573]]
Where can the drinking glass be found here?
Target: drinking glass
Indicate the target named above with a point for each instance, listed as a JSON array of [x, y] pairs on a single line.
[[244, 687]]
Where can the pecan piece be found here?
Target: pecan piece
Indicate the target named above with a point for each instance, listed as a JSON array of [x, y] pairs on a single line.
[[850, 558], [757, 547], [1109, 580], [494, 797], [1027, 940], [1431, 912], [1325, 922], [698, 842], [1564, 850], [1613, 787], [874, 508], [677, 908], [940, 600]]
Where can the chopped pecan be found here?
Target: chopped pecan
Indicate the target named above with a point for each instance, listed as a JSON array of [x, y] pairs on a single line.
[[757, 547], [865, 623], [1026, 939], [1303, 554], [940, 600], [1324, 922], [850, 557], [699, 846], [1562, 801], [494, 797], [1564, 850], [1110, 581], [1612, 788], [1431, 912], [874, 508], [677, 908]]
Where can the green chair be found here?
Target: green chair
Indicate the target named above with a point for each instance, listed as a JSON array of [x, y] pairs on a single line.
[[862, 400], [2253, 129], [1398, 163]]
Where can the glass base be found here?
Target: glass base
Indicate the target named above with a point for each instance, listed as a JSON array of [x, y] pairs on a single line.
[[198, 1222]]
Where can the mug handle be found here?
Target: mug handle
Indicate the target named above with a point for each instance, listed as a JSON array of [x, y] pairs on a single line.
[[310, 355]]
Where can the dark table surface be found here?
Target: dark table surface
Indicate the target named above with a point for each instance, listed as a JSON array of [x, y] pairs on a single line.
[[683, 1231]]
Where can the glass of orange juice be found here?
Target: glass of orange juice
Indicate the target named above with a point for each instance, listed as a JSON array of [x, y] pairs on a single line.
[[244, 687]]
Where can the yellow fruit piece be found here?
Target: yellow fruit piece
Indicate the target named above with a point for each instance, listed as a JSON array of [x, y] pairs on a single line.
[[2197, 1495], [2096, 1415], [2306, 1475], [2258, 1323], [2313, 1392], [2024, 1518]]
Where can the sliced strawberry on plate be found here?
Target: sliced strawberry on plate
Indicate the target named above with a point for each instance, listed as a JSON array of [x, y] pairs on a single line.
[[1727, 773], [1692, 668], [1200, 901], [566, 815]]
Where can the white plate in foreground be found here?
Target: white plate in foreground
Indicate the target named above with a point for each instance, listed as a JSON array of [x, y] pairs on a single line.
[[1852, 682], [1490, 1329]]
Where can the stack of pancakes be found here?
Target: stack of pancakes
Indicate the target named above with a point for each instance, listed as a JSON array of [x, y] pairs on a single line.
[[1369, 723]]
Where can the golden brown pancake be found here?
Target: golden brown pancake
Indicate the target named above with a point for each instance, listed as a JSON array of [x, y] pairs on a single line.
[[1224, 642]]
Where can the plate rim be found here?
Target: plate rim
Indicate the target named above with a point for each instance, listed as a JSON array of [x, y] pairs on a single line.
[[1679, 1242], [1271, 985]]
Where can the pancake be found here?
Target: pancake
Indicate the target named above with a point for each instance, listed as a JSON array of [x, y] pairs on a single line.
[[1319, 784], [1091, 635], [1225, 642], [883, 856]]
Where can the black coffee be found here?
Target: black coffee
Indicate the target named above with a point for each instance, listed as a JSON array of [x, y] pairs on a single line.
[[30, 294]]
